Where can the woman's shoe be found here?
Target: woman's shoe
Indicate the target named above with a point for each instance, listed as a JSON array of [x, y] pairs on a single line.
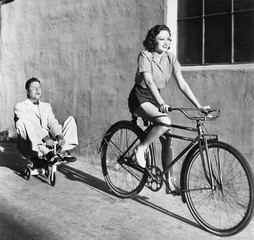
[[174, 187], [140, 155]]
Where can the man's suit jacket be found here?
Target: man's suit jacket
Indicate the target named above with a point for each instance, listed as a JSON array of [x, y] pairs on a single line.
[[40, 116]]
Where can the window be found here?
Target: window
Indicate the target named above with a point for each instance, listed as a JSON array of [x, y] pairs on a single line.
[[215, 31]]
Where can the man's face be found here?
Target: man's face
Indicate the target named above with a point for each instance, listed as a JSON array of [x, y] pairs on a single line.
[[34, 91]]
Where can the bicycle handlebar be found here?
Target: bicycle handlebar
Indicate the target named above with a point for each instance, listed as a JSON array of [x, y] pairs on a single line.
[[205, 114]]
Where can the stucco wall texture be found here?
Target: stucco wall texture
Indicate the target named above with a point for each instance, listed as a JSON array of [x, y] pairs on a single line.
[[83, 51], [230, 89], [85, 54]]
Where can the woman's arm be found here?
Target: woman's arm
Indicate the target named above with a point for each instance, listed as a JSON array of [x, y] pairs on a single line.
[[185, 88], [152, 88], [154, 92]]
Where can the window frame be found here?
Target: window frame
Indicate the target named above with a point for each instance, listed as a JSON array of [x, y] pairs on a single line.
[[203, 18]]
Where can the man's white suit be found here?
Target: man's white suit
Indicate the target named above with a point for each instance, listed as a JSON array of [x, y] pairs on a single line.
[[34, 122]]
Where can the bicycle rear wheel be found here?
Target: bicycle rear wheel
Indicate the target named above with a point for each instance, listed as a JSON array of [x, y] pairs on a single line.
[[228, 208], [121, 172]]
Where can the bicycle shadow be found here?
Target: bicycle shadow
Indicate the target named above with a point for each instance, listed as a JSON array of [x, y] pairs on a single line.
[[143, 200], [11, 158], [74, 174], [99, 184]]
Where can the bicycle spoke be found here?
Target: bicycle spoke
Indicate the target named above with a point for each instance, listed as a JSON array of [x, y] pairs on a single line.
[[224, 208], [119, 170]]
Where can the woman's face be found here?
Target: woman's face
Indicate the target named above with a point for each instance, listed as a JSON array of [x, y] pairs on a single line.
[[162, 41]]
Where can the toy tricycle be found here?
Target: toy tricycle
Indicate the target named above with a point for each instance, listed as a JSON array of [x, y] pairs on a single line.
[[44, 167]]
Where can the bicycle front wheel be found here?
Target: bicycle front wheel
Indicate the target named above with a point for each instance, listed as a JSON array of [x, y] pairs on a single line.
[[227, 208], [121, 172]]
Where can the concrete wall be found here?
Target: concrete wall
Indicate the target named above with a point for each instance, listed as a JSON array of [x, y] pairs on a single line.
[[229, 88], [84, 52]]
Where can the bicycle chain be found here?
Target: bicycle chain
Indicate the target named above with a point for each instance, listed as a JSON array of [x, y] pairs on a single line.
[[154, 180]]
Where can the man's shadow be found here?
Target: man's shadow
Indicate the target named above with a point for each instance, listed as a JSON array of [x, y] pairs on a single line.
[[11, 158]]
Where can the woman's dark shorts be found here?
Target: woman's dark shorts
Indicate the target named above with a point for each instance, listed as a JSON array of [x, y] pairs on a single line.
[[139, 95]]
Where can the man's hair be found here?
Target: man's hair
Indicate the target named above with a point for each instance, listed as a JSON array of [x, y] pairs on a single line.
[[28, 82], [149, 43]]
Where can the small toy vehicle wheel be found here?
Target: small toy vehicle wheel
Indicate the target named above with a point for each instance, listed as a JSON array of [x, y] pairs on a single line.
[[27, 173], [53, 179], [46, 171]]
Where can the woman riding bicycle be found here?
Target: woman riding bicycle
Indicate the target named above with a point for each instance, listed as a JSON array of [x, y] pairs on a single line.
[[155, 66]]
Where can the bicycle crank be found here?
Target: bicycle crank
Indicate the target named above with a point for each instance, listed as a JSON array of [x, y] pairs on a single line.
[[154, 180]]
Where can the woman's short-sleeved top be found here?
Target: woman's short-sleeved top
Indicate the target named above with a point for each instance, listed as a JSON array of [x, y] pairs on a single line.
[[161, 72]]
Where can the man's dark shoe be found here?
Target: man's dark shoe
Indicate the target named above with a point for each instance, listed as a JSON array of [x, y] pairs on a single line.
[[51, 157], [68, 157]]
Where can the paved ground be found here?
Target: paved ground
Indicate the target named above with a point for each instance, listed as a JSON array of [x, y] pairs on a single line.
[[81, 206]]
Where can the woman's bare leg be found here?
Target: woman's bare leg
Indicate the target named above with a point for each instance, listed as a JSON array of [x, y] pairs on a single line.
[[166, 154], [167, 158], [150, 112]]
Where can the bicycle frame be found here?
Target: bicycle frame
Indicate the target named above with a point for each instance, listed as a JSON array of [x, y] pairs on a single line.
[[200, 139], [216, 181]]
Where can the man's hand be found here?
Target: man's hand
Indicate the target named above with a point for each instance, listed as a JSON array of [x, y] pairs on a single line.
[[49, 141], [60, 139]]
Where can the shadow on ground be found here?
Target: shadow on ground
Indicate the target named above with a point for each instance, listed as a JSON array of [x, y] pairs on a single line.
[[10, 158], [96, 183], [74, 174]]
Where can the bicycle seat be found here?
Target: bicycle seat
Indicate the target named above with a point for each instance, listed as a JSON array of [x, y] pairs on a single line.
[[135, 119]]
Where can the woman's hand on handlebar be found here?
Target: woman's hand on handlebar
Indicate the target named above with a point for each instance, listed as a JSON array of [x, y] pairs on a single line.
[[205, 111], [164, 108], [204, 107]]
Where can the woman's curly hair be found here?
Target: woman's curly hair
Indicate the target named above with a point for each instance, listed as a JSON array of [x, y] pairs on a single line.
[[149, 42]]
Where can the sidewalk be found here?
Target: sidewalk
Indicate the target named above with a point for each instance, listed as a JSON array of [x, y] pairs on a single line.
[[80, 206]]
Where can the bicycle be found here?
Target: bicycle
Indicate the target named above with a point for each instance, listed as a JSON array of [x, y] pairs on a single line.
[[216, 180]]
